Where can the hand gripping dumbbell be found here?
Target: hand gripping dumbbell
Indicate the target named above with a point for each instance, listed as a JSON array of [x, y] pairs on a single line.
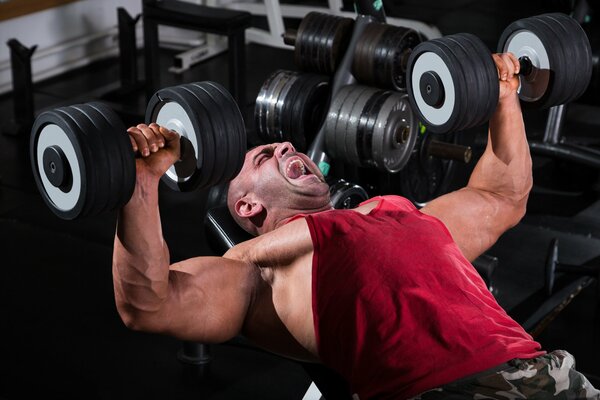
[[83, 161], [453, 81]]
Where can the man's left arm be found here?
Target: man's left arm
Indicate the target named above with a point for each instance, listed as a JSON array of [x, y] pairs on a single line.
[[495, 197]]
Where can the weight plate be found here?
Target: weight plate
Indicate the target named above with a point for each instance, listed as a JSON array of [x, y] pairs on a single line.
[[236, 128], [560, 54], [487, 92], [367, 124], [103, 153], [356, 101], [523, 43], [339, 42], [307, 109], [122, 179], [214, 127], [432, 56], [395, 134], [51, 128], [124, 153], [331, 121], [287, 96], [178, 110], [263, 100], [405, 41]]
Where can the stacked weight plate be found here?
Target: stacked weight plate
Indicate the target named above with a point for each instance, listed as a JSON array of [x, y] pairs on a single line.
[[82, 160], [290, 107], [370, 127], [321, 41], [208, 118], [381, 54]]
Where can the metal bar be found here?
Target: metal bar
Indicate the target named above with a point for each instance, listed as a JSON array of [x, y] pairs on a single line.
[[565, 152], [127, 48], [449, 151], [554, 124], [20, 61]]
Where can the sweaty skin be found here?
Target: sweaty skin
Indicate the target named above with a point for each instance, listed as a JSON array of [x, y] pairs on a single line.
[[262, 288]]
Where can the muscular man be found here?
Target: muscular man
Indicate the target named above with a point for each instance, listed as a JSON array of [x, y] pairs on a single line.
[[384, 293]]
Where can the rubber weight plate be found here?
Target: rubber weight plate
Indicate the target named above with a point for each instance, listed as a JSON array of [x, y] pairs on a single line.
[[560, 56], [122, 155], [334, 149], [178, 110], [444, 85], [321, 41], [60, 160]]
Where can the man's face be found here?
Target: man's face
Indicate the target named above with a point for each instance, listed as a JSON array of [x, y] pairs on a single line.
[[282, 180]]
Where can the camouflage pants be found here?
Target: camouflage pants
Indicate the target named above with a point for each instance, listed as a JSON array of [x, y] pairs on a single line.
[[551, 376]]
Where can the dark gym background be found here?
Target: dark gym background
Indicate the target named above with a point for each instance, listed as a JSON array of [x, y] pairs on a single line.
[[61, 337]]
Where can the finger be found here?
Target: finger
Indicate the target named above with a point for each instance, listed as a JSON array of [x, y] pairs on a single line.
[[133, 144], [140, 140], [151, 137], [168, 134], [501, 66], [510, 65], [515, 62], [160, 139]]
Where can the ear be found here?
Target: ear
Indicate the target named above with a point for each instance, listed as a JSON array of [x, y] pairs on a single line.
[[248, 207]]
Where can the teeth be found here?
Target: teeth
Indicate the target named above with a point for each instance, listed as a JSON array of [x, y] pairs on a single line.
[[296, 164]]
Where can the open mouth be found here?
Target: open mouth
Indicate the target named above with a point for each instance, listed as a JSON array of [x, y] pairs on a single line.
[[297, 169]]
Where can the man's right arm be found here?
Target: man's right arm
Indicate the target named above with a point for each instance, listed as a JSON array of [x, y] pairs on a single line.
[[203, 299]]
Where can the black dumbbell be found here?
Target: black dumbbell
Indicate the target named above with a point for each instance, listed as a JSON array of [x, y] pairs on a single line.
[[453, 81], [83, 162]]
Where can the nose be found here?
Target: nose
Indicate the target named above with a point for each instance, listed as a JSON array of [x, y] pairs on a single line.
[[284, 148]]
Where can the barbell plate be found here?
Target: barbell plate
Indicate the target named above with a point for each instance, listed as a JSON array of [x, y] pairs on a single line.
[[331, 121], [367, 124], [124, 155], [340, 124], [51, 128], [358, 99], [394, 135], [286, 99], [263, 100], [339, 42]]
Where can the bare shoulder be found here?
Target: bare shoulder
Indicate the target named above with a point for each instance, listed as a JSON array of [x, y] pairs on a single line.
[[279, 247]]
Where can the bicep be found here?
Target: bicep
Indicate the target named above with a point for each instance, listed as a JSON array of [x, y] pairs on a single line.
[[475, 218], [209, 298]]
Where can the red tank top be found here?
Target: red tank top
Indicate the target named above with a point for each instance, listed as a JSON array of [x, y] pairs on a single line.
[[397, 308]]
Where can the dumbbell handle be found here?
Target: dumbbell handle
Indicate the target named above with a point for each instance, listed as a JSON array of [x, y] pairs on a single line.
[[449, 151], [525, 66]]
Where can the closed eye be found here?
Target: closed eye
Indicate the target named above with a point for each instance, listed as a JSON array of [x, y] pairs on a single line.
[[264, 155]]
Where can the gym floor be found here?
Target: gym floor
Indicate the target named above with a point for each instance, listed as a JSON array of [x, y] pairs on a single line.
[[61, 337]]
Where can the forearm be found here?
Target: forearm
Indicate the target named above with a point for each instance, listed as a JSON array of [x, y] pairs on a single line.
[[504, 170], [141, 257]]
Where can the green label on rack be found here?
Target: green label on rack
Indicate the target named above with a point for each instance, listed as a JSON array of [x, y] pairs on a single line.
[[324, 167], [377, 4]]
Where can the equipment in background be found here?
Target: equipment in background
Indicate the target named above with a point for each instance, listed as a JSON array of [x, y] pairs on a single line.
[[83, 162], [553, 266], [346, 195], [453, 81], [320, 42], [371, 127], [290, 107]]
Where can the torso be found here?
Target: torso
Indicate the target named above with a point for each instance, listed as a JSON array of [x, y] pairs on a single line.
[[280, 318]]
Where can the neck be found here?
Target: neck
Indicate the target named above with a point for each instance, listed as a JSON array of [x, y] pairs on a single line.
[[273, 222]]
